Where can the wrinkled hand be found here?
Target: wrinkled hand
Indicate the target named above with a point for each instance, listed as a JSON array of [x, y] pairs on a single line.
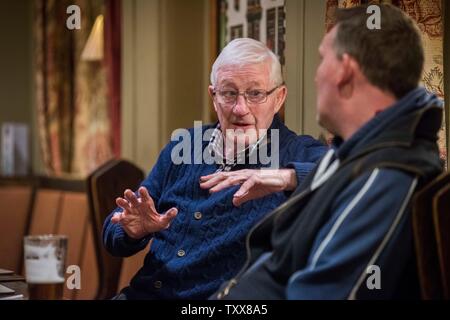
[[255, 183], [139, 217]]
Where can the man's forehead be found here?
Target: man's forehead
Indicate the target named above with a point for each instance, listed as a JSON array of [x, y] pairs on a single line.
[[330, 35], [251, 74], [327, 40], [247, 83], [244, 68]]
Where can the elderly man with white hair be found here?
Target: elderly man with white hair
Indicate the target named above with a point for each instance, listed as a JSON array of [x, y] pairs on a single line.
[[198, 234]]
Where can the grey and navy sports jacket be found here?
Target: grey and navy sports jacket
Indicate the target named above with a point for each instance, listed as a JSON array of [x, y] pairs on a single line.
[[346, 232]]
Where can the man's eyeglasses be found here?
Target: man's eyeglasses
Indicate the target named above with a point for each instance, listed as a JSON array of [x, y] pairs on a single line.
[[228, 97]]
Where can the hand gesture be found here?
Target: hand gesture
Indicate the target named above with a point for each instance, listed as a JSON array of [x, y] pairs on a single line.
[[139, 217], [254, 183]]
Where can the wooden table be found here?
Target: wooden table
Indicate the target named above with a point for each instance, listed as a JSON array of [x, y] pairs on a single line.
[[19, 286]]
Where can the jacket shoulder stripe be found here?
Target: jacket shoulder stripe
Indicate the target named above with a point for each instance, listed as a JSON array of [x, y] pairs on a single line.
[[342, 217], [386, 239]]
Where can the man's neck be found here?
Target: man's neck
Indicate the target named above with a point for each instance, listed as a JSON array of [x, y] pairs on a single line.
[[365, 105], [232, 148], [229, 150]]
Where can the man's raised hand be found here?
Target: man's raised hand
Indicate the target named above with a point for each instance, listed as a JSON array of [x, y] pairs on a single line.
[[139, 217]]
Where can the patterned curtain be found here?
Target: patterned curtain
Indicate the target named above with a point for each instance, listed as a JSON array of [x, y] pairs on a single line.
[[429, 18], [113, 36], [72, 96]]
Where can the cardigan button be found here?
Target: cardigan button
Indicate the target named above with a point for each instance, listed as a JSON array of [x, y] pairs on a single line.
[[197, 215], [181, 253], [157, 284]]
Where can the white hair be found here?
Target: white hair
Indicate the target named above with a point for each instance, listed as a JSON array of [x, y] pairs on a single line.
[[245, 51]]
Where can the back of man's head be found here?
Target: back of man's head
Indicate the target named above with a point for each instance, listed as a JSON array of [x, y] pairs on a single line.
[[392, 56]]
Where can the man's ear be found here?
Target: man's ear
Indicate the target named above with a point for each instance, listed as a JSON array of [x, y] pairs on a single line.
[[346, 76], [211, 94], [346, 72], [281, 98]]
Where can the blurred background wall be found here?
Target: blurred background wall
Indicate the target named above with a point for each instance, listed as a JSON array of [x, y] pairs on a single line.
[[167, 48]]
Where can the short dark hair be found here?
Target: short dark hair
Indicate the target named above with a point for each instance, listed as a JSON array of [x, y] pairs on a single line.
[[391, 57]]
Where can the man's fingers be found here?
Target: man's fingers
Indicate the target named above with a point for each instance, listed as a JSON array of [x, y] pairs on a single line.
[[243, 194], [246, 186], [237, 202], [207, 184], [167, 218], [145, 197], [116, 217], [131, 197], [121, 202], [206, 178], [143, 192], [231, 181]]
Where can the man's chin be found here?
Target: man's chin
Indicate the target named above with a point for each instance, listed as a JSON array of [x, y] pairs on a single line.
[[321, 120], [243, 137], [330, 129], [245, 128]]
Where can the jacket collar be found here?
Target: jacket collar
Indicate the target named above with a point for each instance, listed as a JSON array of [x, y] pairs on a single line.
[[417, 114]]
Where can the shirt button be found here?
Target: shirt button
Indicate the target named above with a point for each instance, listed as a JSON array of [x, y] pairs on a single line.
[[181, 253], [157, 284], [197, 215]]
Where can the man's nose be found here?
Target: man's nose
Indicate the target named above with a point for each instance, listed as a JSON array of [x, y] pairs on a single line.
[[241, 107]]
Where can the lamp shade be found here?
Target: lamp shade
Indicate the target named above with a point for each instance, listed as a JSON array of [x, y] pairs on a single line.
[[93, 50]]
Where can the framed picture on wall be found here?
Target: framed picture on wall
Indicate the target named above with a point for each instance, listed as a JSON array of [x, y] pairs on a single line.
[[263, 20]]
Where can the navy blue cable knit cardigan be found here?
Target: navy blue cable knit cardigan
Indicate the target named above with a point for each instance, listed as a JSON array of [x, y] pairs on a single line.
[[204, 245]]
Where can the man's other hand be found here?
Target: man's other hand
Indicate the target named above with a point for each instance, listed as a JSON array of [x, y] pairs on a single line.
[[254, 183]]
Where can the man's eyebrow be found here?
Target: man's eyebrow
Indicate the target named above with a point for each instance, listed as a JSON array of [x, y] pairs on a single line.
[[254, 83], [248, 84], [227, 83]]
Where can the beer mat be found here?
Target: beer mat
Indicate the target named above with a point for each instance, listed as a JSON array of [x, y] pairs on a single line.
[[5, 290], [11, 277], [4, 271], [13, 297]]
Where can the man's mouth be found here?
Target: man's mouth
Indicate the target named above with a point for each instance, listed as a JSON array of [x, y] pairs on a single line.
[[241, 125]]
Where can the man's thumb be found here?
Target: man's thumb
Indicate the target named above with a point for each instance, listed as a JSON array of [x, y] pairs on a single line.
[[170, 215]]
